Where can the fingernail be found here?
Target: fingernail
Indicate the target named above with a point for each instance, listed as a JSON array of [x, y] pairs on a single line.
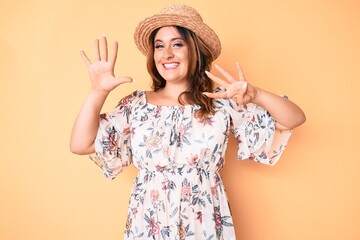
[[206, 72], [103, 34], [244, 86]]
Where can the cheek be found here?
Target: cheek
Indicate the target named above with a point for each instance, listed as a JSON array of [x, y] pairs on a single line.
[[185, 57], [157, 61], [156, 57], [186, 60]]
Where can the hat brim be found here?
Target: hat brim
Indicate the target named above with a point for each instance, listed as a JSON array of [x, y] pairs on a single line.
[[204, 32]]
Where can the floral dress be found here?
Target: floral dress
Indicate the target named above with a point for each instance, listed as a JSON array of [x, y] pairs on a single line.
[[178, 192]]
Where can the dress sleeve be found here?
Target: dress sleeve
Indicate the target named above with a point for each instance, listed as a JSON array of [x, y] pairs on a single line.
[[112, 143], [255, 133]]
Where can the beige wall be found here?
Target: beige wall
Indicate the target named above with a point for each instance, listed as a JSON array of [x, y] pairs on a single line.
[[307, 49]]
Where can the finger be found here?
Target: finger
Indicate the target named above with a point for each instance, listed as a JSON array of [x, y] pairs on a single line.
[[244, 86], [85, 58], [241, 90], [215, 95], [225, 74], [96, 50], [113, 56], [217, 79], [103, 48], [242, 99], [240, 72], [246, 99]]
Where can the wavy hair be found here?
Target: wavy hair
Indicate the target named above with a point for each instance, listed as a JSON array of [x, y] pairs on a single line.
[[200, 59]]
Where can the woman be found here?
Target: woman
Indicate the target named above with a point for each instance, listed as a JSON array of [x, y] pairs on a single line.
[[177, 134]]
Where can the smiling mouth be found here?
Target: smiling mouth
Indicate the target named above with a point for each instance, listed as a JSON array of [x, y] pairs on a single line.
[[170, 65]]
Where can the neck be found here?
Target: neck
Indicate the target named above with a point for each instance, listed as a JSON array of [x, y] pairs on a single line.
[[174, 90], [171, 92]]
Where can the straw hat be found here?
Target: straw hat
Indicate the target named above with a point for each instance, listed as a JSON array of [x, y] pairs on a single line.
[[177, 15]]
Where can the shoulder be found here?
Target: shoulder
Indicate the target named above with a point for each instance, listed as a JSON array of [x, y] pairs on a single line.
[[134, 98]]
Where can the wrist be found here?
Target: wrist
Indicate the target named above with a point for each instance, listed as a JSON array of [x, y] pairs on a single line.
[[258, 92], [98, 93]]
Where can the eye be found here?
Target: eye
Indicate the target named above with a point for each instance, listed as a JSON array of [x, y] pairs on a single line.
[[157, 46], [178, 44]]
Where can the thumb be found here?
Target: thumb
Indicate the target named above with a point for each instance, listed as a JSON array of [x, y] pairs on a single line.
[[244, 87], [241, 90], [124, 80]]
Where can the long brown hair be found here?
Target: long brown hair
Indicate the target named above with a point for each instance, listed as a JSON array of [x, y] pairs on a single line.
[[200, 60]]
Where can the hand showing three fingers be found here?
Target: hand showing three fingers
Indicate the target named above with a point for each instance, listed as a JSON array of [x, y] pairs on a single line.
[[101, 70], [238, 90]]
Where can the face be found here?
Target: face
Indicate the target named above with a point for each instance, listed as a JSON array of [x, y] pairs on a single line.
[[171, 55]]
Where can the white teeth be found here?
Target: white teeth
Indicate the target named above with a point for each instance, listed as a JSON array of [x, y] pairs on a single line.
[[171, 65]]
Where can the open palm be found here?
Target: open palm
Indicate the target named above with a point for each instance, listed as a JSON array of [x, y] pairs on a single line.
[[238, 90], [101, 71]]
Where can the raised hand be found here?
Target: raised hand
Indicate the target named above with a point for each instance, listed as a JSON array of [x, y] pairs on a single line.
[[238, 90], [101, 71]]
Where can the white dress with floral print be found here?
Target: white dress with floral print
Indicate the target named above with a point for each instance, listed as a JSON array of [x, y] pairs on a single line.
[[178, 192]]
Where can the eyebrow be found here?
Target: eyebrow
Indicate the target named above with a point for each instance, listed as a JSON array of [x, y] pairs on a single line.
[[171, 40]]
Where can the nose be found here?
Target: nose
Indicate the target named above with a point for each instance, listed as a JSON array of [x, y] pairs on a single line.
[[168, 53]]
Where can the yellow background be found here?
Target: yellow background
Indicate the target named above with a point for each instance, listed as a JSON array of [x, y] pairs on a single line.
[[309, 50]]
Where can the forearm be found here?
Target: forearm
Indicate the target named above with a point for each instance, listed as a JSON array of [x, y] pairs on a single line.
[[86, 124], [286, 113]]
